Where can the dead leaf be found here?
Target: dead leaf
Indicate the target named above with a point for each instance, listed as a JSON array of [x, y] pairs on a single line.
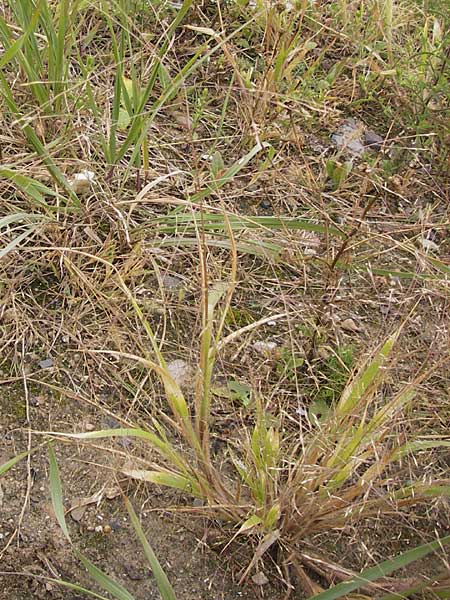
[[78, 509], [262, 548]]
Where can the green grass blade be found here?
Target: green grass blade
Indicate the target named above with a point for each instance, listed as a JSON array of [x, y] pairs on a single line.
[[75, 587], [10, 463], [420, 490], [381, 570], [36, 143], [61, 64], [16, 217], [231, 172], [164, 447], [29, 186], [16, 241], [361, 383], [138, 131], [103, 580], [190, 67], [162, 581], [112, 587], [56, 492], [257, 248], [417, 445], [15, 48], [165, 478], [216, 222]]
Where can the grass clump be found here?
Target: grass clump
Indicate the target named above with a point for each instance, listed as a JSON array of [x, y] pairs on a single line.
[[285, 489]]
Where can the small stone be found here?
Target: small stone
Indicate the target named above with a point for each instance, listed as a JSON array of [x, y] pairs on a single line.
[[265, 347], [172, 283], [348, 137], [197, 502], [429, 245], [111, 423], [115, 525], [98, 529], [266, 204], [112, 492], [89, 427], [373, 140], [77, 513], [107, 528], [133, 572], [180, 371], [349, 325], [259, 578], [46, 363]]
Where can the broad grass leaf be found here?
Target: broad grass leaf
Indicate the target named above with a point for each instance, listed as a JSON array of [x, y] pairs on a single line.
[[165, 478], [250, 523], [163, 446], [123, 119], [17, 217], [11, 51], [418, 445], [16, 241], [272, 516]]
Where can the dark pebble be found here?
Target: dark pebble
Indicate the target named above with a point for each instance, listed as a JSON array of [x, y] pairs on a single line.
[[373, 140]]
